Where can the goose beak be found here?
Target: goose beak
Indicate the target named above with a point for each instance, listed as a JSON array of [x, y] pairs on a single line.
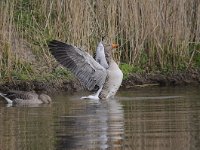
[[115, 45]]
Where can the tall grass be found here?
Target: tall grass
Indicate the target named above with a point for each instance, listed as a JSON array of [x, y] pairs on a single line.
[[153, 35]]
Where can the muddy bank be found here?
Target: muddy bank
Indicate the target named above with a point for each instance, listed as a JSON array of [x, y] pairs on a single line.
[[49, 87], [191, 77]]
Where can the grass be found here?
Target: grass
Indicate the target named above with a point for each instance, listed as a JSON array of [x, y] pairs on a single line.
[[129, 69], [153, 35]]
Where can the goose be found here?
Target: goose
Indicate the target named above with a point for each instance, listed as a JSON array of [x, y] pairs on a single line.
[[24, 97], [100, 74]]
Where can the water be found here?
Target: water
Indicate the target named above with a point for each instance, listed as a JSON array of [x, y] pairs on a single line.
[[138, 119]]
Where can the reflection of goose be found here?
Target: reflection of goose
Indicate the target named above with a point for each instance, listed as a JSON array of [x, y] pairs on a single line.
[[22, 97], [102, 75], [96, 125], [106, 126]]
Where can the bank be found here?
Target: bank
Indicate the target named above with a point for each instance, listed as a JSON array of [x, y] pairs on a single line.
[[135, 80]]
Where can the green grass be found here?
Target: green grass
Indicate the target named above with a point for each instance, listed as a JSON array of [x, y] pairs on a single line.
[[147, 43], [129, 69]]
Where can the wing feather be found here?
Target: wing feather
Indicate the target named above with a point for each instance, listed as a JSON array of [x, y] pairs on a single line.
[[80, 63], [21, 95]]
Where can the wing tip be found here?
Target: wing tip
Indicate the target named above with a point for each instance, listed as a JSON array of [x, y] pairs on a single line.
[[56, 44]]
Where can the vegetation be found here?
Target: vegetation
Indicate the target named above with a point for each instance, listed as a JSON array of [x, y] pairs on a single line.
[[153, 35], [129, 69]]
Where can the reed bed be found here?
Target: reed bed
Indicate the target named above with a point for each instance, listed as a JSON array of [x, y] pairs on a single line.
[[153, 35]]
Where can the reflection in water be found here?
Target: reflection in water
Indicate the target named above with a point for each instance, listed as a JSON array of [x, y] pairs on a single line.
[[163, 124], [144, 119], [100, 125]]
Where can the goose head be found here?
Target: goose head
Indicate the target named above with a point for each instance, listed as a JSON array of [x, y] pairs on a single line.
[[41, 90], [109, 50], [45, 98]]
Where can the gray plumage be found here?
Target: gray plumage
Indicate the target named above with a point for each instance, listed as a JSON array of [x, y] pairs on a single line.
[[102, 75], [23, 97], [80, 63]]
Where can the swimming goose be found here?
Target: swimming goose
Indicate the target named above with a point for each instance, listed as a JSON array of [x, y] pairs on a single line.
[[23, 97], [101, 74]]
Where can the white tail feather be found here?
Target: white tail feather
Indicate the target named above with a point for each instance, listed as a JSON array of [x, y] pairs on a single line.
[[9, 101]]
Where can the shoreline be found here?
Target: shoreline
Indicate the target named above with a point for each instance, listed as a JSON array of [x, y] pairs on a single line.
[[135, 80], [182, 78]]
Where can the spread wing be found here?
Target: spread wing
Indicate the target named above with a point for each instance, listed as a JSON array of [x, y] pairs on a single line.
[[100, 55], [80, 63]]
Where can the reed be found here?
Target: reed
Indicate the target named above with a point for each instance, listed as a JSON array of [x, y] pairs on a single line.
[[153, 35]]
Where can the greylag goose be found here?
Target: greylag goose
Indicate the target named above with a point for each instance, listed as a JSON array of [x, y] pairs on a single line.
[[23, 97], [101, 74]]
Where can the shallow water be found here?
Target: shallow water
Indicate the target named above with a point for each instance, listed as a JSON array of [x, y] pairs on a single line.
[[141, 119]]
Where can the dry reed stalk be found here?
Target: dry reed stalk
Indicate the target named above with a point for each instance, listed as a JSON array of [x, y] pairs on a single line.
[[155, 33]]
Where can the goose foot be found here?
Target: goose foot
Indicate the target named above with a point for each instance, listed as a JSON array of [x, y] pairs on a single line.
[[93, 97]]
